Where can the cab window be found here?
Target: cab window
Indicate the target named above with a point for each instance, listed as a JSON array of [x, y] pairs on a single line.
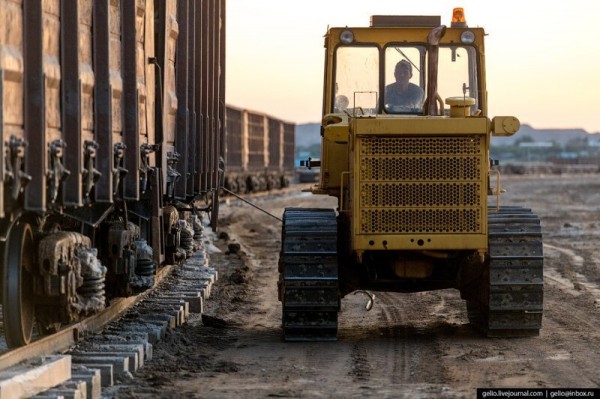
[[404, 86], [356, 80], [457, 73]]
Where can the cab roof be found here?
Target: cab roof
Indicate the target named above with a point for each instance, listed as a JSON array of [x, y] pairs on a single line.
[[405, 21]]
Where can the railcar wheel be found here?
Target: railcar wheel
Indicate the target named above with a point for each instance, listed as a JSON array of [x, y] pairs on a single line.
[[17, 302]]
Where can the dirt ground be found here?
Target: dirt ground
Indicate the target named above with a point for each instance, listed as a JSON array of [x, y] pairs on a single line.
[[408, 345]]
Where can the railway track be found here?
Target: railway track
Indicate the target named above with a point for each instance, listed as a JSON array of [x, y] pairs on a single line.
[[119, 305], [117, 340]]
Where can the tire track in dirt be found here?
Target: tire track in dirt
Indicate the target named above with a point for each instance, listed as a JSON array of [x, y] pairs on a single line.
[[577, 282], [394, 319], [395, 349]]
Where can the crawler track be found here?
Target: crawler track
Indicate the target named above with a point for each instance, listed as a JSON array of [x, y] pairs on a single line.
[[513, 287], [308, 281]]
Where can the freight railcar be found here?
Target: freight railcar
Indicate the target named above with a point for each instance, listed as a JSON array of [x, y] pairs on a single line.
[[259, 153], [111, 126]]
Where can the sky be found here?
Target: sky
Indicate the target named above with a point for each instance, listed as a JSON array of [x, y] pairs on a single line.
[[543, 58]]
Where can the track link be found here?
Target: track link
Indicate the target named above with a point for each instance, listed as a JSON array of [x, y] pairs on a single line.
[[512, 286], [308, 279]]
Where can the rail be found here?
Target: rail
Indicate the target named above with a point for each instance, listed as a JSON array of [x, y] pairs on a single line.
[[67, 337]]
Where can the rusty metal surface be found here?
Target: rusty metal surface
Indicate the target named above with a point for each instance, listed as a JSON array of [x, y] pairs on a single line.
[[191, 186], [221, 137], [11, 83], [131, 121], [35, 115], [116, 92], [166, 102], [205, 133], [72, 99], [2, 159], [103, 100], [199, 93], [138, 86], [181, 77]]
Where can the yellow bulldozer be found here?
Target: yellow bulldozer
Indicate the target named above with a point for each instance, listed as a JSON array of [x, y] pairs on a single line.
[[405, 149]]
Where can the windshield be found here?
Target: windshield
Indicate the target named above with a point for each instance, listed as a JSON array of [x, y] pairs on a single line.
[[404, 79], [457, 74], [403, 86], [357, 80]]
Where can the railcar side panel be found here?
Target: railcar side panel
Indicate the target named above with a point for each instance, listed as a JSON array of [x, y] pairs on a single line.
[[211, 73], [103, 123], [289, 146], [206, 97], [214, 23], [198, 71], [275, 144], [221, 78], [167, 29], [181, 77], [78, 101], [116, 71], [147, 51], [256, 141], [190, 147], [117, 148], [235, 144], [11, 97], [138, 82], [43, 112], [131, 96]]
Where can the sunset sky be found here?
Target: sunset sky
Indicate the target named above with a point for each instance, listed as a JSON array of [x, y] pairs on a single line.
[[543, 58]]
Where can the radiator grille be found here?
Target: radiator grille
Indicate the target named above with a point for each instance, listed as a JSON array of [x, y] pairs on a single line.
[[421, 184], [420, 194], [424, 168], [462, 145], [421, 221]]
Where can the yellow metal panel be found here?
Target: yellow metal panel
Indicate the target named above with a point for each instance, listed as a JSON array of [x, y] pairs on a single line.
[[420, 183], [382, 36], [421, 242], [432, 125], [337, 133], [334, 159]]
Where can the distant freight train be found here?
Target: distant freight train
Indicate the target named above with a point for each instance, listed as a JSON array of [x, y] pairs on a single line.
[[260, 151], [112, 135]]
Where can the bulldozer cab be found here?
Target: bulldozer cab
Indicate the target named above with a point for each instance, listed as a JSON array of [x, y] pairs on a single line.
[[382, 69]]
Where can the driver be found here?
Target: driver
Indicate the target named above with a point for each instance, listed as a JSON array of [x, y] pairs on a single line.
[[402, 92]]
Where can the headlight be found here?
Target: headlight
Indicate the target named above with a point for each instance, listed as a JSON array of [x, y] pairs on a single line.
[[467, 37], [347, 37]]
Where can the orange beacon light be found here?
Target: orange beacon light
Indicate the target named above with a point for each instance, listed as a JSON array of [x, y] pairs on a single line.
[[458, 18]]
